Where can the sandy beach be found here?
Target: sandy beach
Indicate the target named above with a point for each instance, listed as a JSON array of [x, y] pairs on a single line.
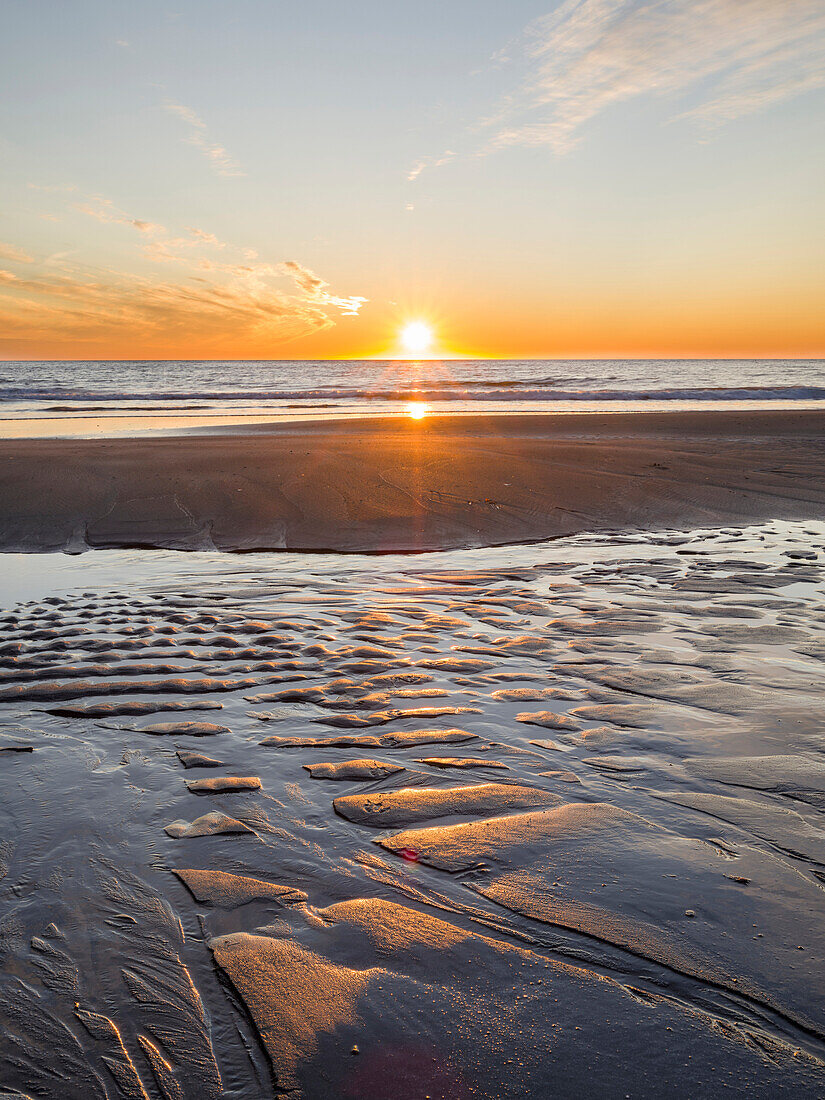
[[554, 807], [399, 484], [541, 819]]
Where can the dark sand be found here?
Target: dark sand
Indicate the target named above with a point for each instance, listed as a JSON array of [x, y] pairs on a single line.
[[399, 484]]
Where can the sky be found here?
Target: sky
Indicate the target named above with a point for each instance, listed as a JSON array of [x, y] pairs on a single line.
[[281, 180]]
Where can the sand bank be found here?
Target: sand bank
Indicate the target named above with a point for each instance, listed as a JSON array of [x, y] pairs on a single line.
[[398, 484]]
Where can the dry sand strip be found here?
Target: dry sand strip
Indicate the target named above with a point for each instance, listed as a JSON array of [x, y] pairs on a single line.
[[397, 484]]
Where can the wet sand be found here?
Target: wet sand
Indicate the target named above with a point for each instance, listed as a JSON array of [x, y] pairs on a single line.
[[543, 821], [398, 484]]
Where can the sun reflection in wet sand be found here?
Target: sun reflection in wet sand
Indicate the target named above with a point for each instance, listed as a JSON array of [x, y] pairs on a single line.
[[417, 409]]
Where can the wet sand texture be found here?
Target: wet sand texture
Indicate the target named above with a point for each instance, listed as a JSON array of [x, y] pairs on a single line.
[[207, 825], [353, 769], [631, 904], [218, 784], [419, 804], [197, 760], [229, 891], [396, 484], [386, 740], [185, 729], [332, 1028], [468, 762]]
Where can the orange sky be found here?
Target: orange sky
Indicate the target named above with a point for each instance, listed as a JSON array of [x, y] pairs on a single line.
[[71, 320]]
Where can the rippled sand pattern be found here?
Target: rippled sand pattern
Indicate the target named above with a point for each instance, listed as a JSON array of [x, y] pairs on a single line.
[[539, 823]]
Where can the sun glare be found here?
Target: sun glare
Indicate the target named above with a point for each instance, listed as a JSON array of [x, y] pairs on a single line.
[[416, 337], [417, 410]]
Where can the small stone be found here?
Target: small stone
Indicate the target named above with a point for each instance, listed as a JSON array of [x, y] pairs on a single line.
[[355, 1050], [690, 913]]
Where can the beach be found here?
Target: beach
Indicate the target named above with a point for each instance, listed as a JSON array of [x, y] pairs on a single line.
[[477, 821], [412, 551], [400, 484]]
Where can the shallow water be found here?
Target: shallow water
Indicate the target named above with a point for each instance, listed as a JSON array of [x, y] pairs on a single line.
[[628, 900], [69, 425], [77, 398]]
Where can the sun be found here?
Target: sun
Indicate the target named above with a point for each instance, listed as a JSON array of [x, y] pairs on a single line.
[[416, 337]]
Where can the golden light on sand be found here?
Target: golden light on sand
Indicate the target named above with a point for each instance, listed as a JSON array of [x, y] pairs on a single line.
[[416, 337], [417, 409]]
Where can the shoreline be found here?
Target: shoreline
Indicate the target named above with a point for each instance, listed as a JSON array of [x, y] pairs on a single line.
[[394, 484], [137, 423]]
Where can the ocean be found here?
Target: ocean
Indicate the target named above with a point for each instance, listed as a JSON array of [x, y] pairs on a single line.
[[198, 391]]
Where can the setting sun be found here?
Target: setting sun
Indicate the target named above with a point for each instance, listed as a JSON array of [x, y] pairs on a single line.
[[416, 337]]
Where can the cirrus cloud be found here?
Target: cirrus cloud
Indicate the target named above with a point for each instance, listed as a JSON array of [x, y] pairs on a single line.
[[15, 254], [732, 56], [716, 60], [220, 159], [104, 210]]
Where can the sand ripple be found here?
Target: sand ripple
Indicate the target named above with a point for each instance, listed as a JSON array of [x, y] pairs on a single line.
[[637, 893]]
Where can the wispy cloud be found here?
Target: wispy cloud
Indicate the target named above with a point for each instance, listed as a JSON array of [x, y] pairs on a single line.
[[83, 308], [252, 270], [220, 159], [179, 249], [315, 289], [161, 246], [429, 162], [222, 296], [104, 210], [715, 60], [57, 188], [204, 237], [724, 58], [17, 255]]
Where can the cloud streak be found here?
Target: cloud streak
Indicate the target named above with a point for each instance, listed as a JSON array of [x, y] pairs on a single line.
[[716, 60], [15, 254], [726, 58], [217, 155], [104, 210], [429, 162], [315, 289]]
